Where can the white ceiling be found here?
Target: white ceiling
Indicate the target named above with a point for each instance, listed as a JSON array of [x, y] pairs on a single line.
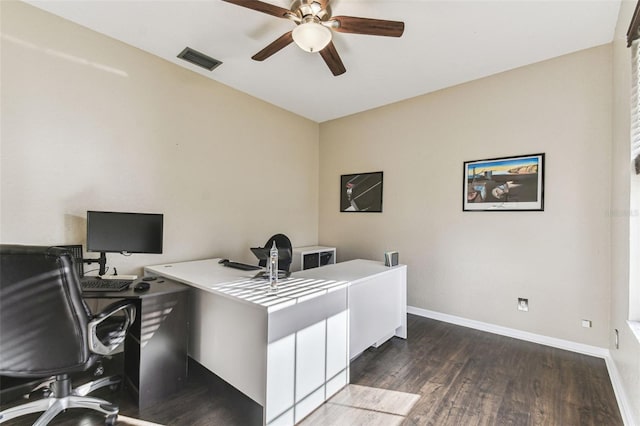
[[445, 43]]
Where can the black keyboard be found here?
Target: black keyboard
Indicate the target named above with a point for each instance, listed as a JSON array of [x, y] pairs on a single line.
[[104, 285], [243, 266]]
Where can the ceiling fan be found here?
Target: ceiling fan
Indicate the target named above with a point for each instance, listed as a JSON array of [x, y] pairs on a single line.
[[314, 28]]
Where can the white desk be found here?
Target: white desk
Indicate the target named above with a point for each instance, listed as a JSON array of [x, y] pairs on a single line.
[[377, 299], [289, 351], [286, 351]]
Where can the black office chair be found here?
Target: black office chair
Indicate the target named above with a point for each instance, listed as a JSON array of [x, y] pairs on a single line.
[[283, 243], [47, 330]]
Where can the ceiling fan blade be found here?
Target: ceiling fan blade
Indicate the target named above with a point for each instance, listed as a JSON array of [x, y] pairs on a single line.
[[283, 41], [379, 27], [261, 6], [331, 57]]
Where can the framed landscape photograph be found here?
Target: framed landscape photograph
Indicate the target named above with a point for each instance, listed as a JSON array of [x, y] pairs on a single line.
[[504, 184], [361, 192]]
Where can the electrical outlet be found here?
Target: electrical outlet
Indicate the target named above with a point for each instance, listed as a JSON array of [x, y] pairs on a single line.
[[523, 304], [586, 323]]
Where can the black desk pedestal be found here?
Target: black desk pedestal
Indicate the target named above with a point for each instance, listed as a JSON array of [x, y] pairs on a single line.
[[155, 350]]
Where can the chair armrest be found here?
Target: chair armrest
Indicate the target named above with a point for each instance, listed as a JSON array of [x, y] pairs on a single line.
[[96, 345]]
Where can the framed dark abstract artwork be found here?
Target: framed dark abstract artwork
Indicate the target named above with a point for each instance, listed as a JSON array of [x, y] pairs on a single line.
[[361, 192]]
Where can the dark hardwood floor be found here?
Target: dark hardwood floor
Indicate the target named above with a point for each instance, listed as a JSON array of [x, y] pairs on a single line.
[[469, 377], [463, 377]]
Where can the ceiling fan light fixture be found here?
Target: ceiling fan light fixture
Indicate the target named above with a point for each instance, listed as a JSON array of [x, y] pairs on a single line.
[[311, 36]]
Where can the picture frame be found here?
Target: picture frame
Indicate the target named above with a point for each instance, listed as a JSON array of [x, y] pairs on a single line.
[[361, 192], [504, 184]]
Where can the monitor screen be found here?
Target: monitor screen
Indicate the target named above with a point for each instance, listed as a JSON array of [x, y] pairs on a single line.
[[115, 232]]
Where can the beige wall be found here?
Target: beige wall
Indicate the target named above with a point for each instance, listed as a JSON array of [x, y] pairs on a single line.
[[476, 264], [624, 218], [89, 123]]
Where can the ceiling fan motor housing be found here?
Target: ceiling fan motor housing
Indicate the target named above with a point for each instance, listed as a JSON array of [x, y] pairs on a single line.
[[308, 9]]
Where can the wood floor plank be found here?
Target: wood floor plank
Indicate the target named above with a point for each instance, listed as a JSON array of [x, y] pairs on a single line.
[[335, 414], [375, 399]]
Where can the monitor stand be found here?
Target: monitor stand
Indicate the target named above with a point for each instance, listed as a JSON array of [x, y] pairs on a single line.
[[102, 261]]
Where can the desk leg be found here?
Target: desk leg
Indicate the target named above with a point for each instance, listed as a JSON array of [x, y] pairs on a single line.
[[402, 308]]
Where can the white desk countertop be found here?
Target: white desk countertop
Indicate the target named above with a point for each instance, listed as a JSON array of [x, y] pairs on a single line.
[[240, 285], [351, 270]]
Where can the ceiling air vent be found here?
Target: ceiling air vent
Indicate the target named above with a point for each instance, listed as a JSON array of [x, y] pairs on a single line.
[[199, 59]]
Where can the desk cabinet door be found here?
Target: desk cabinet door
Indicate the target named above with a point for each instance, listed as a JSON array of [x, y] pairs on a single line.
[[156, 348]]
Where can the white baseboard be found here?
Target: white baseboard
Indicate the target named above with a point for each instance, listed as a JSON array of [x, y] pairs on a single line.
[[512, 332], [616, 383], [621, 396]]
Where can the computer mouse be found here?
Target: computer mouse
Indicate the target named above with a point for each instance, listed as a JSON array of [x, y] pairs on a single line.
[[142, 286], [223, 260]]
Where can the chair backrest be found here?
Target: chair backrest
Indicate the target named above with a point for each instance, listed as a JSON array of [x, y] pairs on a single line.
[[43, 318], [283, 243]]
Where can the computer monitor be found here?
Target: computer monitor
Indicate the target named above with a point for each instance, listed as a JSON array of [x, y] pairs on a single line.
[[118, 232]]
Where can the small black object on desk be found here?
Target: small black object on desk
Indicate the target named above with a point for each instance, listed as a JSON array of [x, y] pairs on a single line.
[[142, 286], [242, 266], [238, 265]]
